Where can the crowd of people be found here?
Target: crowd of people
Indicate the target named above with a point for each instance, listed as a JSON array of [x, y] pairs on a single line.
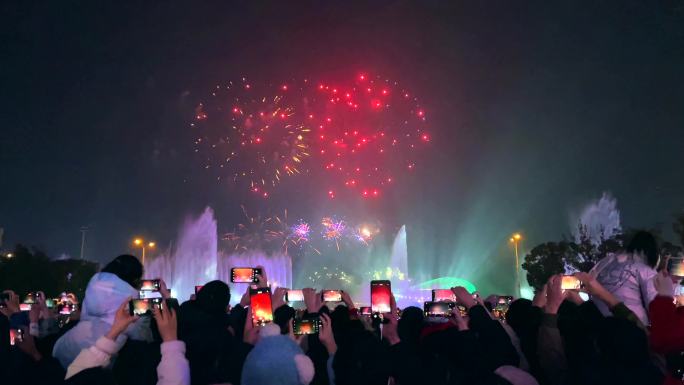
[[630, 331]]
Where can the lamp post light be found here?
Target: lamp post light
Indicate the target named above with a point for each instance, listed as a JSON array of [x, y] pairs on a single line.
[[139, 242], [515, 240]]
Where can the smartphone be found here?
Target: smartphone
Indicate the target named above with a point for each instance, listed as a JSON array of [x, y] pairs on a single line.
[[443, 295], [294, 296], [675, 266], [150, 285], [462, 310], [262, 308], [66, 308], [437, 309], [331, 295], [145, 294], [30, 298], [198, 288], [143, 307], [49, 303], [24, 307], [381, 291], [306, 326], [365, 310], [570, 282], [500, 311], [16, 335], [244, 274], [501, 307]]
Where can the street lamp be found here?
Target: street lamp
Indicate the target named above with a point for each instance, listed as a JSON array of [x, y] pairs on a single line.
[[139, 242], [515, 240]]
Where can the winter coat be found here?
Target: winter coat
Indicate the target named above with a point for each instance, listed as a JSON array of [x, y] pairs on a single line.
[[104, 295]]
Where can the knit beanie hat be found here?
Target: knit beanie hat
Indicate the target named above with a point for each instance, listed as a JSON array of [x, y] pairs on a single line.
[[276, 360]]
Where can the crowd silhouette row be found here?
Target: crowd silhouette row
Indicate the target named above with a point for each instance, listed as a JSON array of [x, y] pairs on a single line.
[[630, 331]]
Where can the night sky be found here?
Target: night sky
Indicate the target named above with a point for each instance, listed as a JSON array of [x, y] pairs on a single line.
[[535, 110]]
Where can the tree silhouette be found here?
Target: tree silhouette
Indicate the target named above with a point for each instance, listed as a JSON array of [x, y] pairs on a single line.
[[32, 270]]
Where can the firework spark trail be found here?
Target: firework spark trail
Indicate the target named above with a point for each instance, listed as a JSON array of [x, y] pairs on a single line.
[[254, 134], [257, 233], [300, 232], [356, 135], [333, 230]]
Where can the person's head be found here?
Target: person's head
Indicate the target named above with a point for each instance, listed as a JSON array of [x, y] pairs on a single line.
[[644, 244], [282, 317], [362, 361], [410, 324], [276, 359], [127, 268], [519, 315], [214, 297]]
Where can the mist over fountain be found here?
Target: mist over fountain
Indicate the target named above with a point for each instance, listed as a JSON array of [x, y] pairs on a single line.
[[399, 255], [195, 260]]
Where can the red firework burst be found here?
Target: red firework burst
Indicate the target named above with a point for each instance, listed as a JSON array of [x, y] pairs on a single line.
[[253, 134], [367, 132]]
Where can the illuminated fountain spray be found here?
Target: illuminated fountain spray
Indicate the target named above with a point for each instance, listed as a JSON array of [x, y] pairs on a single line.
[[399, 256], [195, 260], [399, 274], [601, 219]]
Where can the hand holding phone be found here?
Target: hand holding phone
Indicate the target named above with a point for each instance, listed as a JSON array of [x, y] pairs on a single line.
[[150, 285], [463, 296], [570, 282], [172, 303], [381, 291], [307, 326], [437, 309], [675, 267], [122, 318], [245, 274], [143, 306], [66, 308], [443, 295], [294, 296], [166, 323], [31, 298], [331, 295], [150, 288], [261, 305], [16, 336]]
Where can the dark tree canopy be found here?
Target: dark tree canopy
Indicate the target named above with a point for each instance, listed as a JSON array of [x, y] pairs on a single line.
[[28, 267]]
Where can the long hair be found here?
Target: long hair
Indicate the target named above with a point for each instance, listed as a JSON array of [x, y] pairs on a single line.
[[126, 267], [644, 243]]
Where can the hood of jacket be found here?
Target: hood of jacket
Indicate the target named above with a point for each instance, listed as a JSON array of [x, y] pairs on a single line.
[[104, 294]]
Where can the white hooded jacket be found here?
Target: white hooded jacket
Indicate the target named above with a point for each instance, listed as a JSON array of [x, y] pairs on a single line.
[[104, 294]]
